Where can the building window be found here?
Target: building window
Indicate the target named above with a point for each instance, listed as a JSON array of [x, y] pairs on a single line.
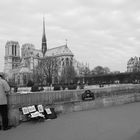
[[67, 61], [15, 50], [12, 49]]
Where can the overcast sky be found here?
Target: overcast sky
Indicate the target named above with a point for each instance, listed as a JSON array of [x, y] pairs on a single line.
[[99, 32]]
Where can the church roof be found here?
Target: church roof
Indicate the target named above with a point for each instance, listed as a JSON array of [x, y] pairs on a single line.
[[59, 51]]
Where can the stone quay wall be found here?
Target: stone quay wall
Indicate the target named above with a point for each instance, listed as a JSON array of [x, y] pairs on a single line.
[[70, 101]]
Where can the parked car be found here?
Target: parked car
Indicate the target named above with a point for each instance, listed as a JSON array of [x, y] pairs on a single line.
[[88, 95]]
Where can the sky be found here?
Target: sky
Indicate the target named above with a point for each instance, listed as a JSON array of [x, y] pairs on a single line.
[[99, 32]]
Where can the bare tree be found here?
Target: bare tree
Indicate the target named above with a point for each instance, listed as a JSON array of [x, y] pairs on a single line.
[[50, 69], [46, 70], [106, 70], [68, 74], [86, 71], [99, 70], [38, 74]]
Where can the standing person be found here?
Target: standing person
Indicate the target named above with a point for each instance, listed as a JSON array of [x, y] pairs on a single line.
[[4, 90]]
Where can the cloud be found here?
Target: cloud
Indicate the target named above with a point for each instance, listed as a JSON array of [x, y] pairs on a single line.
[[105, 32]]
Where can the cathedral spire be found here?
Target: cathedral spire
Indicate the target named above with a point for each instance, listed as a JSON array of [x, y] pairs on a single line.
[[66, 41], [44, 41]]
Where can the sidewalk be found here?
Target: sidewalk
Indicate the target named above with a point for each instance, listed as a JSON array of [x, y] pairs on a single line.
[[113, 123]]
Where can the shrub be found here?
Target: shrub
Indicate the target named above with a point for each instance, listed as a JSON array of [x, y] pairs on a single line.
[[30, 83], [72, 87], [57, 87], [35, 88], [15, 89], [64, 87], [81, 86]]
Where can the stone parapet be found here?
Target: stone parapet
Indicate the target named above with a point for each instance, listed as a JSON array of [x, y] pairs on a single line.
[[70, 101]]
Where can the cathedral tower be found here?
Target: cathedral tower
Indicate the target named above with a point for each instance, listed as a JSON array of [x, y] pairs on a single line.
[[12, 55], [44, 41]]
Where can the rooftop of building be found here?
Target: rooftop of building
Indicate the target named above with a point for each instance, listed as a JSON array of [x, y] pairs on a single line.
[[60, 50]]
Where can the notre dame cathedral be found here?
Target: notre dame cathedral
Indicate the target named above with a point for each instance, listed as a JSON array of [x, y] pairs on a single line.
[[20, 67]]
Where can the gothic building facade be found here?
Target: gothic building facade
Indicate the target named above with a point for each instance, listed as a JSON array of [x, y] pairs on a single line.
[[20, 67], [133, 64]]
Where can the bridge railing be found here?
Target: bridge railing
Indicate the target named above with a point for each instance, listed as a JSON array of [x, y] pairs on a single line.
[[51, 97]]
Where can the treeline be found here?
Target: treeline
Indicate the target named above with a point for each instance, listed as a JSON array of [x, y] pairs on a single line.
[[112, 78]]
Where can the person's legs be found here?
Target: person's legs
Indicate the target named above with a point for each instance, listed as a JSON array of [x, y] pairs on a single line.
[[4, 114], [0, 119]]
